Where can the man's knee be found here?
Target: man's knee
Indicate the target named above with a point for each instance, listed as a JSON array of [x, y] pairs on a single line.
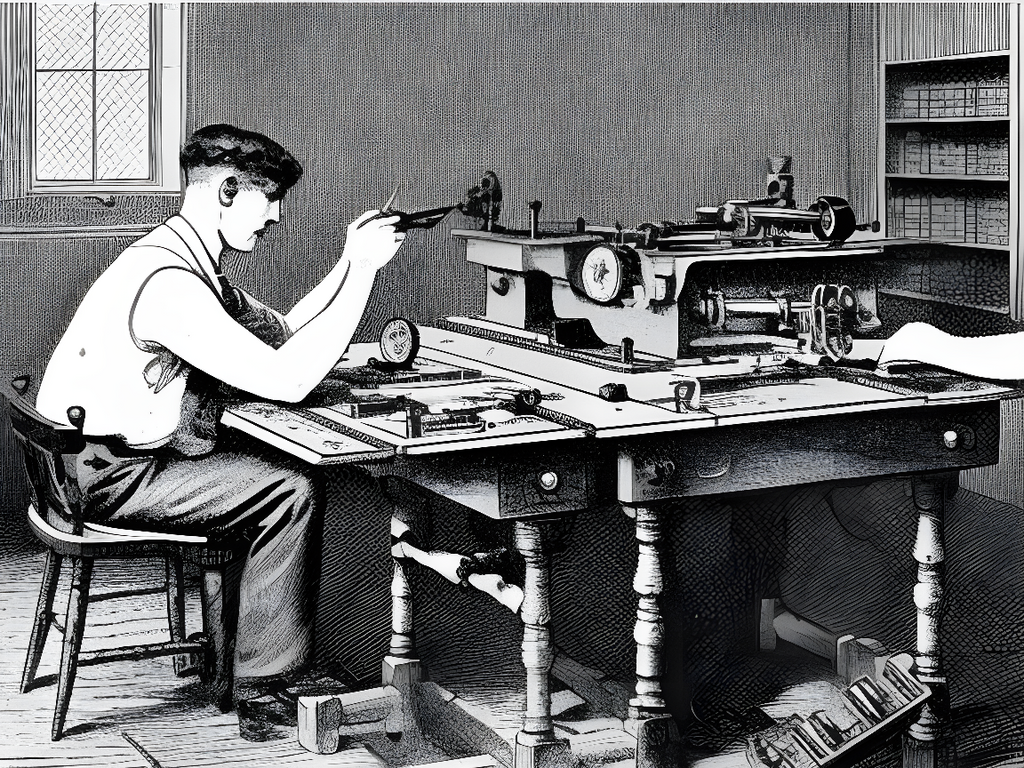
[[307, 489]]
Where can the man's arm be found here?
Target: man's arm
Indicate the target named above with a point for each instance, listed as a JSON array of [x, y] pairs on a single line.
[[998, 357], [322, 294], [177, 310], [314, 302]]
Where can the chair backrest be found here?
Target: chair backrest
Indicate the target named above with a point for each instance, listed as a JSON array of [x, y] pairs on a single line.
[[50, 451]]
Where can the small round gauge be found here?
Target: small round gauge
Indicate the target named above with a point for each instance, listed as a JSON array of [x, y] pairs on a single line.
[[603, 274], [399, 341]]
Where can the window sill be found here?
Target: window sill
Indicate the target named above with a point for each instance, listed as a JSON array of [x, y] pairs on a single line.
[[85, 214], [99, 190], [35, 232]]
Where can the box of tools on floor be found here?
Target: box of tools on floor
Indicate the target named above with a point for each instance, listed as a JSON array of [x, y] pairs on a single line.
[[873, 710]]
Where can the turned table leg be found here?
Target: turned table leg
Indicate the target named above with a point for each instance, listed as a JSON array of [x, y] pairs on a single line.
[[401, 667], [929, 499], [649, 631], [656, 732], [536, 745], [403, 643]]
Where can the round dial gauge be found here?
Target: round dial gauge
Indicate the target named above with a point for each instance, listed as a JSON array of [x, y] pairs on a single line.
[[399, 341], [603, 274]]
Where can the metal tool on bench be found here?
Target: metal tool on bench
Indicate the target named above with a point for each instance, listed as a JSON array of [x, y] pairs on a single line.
[[483, 202], [419, 421], [399, 344]]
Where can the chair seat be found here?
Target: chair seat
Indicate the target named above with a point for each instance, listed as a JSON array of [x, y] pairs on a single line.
[[105, 541]]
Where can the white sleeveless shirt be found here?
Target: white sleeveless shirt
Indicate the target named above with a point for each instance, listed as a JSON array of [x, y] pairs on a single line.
[[128, 388]]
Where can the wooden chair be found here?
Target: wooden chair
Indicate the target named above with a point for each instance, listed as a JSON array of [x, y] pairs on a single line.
[[50, 452]]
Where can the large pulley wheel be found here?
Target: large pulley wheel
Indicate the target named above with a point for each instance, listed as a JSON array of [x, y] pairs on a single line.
[[836, 221]]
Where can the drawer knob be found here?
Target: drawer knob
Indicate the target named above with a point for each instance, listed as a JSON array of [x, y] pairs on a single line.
[[548, 481]]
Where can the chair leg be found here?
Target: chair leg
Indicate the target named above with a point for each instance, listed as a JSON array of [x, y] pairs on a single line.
[[215, 627], [74, 629], [41, 623], [184, 663]]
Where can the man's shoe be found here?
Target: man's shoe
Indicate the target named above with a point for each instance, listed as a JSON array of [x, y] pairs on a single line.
[[265, 708]]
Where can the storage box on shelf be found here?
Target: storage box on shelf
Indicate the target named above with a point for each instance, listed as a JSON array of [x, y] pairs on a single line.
[[948, 178]]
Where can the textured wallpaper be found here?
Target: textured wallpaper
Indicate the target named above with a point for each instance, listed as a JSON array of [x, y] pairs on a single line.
[[615, 112]]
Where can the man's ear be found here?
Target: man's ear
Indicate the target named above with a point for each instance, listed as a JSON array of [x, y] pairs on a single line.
[[228, 190]]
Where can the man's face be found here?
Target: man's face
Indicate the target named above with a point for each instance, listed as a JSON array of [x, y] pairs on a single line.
[[246, 219]]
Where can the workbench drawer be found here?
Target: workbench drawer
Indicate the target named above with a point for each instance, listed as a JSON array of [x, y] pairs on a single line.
[[838, 447], [524, 481]]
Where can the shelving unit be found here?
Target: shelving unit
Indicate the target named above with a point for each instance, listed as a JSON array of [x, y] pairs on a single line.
[[949, 129]]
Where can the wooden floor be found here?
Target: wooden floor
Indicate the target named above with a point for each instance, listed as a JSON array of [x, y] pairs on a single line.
[[127, 715], [139, 715]]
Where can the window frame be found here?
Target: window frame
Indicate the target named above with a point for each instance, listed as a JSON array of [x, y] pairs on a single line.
[[166, 112]]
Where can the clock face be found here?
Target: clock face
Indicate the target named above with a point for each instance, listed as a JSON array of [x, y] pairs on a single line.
[[399, 341], [602, 274]]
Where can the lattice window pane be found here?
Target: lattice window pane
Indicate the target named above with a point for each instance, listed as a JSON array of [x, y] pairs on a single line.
[[97, 89], [122, 125], [64, 36], [64, 126], [122, 36]]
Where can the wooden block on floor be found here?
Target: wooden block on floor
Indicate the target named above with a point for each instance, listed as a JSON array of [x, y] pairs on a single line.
[[600, 747], [324, 719], [859, 656], [319, 718]]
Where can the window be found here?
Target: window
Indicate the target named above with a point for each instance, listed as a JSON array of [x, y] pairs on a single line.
[[106, 97]]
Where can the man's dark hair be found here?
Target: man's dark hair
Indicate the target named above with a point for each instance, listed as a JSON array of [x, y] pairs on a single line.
[[259, 160]]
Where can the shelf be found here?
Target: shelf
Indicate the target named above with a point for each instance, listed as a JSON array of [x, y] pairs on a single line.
[[1002, 310], [948, 177], [970, 143], [946, 120], [956, 58], [973, 246]]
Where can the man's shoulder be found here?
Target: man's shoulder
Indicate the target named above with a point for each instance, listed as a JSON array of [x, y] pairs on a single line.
[[158, 249], [157, 253], [161, 237]]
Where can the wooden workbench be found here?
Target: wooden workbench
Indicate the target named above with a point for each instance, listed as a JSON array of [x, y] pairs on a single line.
[[560, 459]]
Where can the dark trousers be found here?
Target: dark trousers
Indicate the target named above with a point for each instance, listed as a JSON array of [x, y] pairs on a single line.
[[236, 494]]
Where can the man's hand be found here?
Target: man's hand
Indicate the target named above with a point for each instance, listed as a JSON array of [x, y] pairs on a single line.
[[914, 342], [372, 241]]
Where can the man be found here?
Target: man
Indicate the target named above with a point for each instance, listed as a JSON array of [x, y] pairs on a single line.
[[153, 339]]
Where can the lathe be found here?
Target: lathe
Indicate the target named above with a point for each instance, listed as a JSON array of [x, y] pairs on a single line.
[[636, 363]]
